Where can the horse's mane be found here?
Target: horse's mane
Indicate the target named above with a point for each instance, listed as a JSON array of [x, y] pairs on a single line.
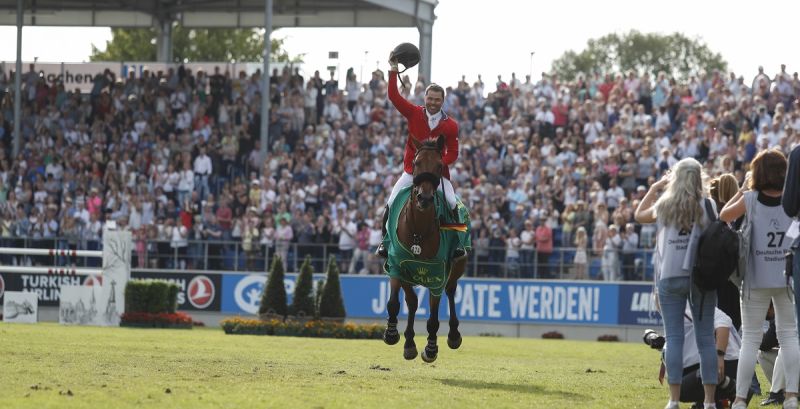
[[430, 144]]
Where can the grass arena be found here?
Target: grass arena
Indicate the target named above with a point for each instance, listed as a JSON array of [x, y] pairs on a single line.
[[53, 366]]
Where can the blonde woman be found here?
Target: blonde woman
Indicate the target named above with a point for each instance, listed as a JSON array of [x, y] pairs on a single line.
[[680, 216], [581, 258], [610, 259], [764, 280]]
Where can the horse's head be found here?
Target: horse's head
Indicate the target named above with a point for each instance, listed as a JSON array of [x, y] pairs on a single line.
[[428, 167]]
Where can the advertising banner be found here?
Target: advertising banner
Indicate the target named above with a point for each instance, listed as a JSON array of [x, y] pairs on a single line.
[[47, 287], [198, 292], [482, 300], [20, 307], [637, 305], [81, 76]]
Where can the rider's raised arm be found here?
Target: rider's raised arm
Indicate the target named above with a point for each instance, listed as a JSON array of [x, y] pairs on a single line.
[[406, 108]]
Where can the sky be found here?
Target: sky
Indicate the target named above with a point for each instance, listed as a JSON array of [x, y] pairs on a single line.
[[497, 37]]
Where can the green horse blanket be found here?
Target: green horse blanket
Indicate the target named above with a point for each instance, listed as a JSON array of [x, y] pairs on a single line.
[[430, 273]]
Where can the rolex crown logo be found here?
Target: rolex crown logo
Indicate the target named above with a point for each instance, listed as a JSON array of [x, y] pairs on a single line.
[[422, 271]]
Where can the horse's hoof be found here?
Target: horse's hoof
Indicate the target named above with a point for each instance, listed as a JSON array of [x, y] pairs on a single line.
[[454, 343], [410, 353], [391, 337], [429, 358]]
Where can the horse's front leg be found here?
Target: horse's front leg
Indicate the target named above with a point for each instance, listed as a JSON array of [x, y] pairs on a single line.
[[432, 350], [410, 347], [391, 336], [453, 337]]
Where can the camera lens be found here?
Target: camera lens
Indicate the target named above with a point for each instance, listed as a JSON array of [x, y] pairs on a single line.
[[652, 339]]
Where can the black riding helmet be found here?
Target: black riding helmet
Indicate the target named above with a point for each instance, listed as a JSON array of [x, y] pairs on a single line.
[[406, 54]]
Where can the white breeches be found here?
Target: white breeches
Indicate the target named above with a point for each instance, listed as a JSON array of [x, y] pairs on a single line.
[[407, 180]]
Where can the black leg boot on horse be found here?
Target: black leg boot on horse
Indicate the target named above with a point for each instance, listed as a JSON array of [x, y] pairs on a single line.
[[410, 347], [391, 336], [453, 337], [431, 351], [456, 271]]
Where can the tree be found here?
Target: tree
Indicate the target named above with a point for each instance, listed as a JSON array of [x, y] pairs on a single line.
[[331, 304], [677, 55], [303, 301], [192, 44], [273, 300]]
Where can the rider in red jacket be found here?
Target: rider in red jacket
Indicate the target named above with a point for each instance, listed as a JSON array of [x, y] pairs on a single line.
[[424, 122]]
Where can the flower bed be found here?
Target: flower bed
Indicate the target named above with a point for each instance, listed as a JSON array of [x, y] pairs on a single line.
[[156, 320], [553, 335], [314, 328]]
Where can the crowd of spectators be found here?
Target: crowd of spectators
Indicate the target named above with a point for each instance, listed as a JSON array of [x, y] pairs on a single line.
[[175, 157]]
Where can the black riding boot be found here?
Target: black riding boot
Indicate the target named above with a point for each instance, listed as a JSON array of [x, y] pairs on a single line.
[[382, 251]]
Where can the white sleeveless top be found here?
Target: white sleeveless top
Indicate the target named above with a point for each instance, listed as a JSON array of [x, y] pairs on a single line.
[[676, 249], [768, 243]]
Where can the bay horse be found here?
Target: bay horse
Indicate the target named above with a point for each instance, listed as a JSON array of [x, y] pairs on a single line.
[[421, 250]]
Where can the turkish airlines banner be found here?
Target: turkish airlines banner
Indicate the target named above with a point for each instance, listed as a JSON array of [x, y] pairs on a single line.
[[198, 292]]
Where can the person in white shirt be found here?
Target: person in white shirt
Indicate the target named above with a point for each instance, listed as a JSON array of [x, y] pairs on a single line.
[[613, 195], [346, 229], [592, 129], [630, 244], [676, 213], [610, 259], [283, 237], [202, 170], [185, 183], [513, 244], [764, 279]]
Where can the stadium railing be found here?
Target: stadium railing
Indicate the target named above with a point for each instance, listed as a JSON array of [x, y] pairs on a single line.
[[489, 262]]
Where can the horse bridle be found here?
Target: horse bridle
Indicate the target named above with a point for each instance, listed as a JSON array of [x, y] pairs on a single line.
[[418, 179]]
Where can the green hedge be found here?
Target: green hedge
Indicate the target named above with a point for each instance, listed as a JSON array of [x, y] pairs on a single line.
[[313, 328], [151, 296]]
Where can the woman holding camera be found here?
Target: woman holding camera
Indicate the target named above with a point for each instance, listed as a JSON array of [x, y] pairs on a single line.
[[763, 279], [680, 217]]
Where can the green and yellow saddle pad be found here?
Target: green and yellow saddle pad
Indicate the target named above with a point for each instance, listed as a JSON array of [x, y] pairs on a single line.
[[430, 273]]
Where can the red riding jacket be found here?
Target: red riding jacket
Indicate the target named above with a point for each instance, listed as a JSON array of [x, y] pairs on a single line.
[[418, 129]]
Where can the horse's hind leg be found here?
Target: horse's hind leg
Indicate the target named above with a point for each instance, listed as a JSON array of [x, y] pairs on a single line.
[[410, 348], [432, 350], [391, 336], [453, 336]]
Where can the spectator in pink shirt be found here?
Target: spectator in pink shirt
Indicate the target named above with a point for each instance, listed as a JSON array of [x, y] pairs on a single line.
[[95, 203], [544, 248]]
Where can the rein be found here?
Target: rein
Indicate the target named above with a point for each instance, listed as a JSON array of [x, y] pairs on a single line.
[[416, 236]]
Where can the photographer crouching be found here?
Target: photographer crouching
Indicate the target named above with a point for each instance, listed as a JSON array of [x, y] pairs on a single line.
[[727, 344]]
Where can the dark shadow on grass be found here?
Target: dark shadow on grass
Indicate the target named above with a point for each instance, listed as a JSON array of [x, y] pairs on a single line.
[[529, 389]]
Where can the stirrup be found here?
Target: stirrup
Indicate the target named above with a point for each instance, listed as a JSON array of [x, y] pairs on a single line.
[[382, 251], [459, 253]]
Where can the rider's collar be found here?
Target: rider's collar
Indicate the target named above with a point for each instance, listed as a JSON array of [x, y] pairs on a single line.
[[439, 115]]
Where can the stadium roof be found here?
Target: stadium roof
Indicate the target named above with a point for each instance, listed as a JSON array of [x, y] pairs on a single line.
[[221, 13], [160, 14]]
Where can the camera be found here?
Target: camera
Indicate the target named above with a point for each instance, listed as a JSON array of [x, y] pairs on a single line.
[[652, 338], [727, 388]]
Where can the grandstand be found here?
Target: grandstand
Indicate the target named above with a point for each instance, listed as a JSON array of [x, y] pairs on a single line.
[[175, 157]]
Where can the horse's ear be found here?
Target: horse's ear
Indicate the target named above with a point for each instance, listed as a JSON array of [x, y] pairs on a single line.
[[440, 142], [417, 144]]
